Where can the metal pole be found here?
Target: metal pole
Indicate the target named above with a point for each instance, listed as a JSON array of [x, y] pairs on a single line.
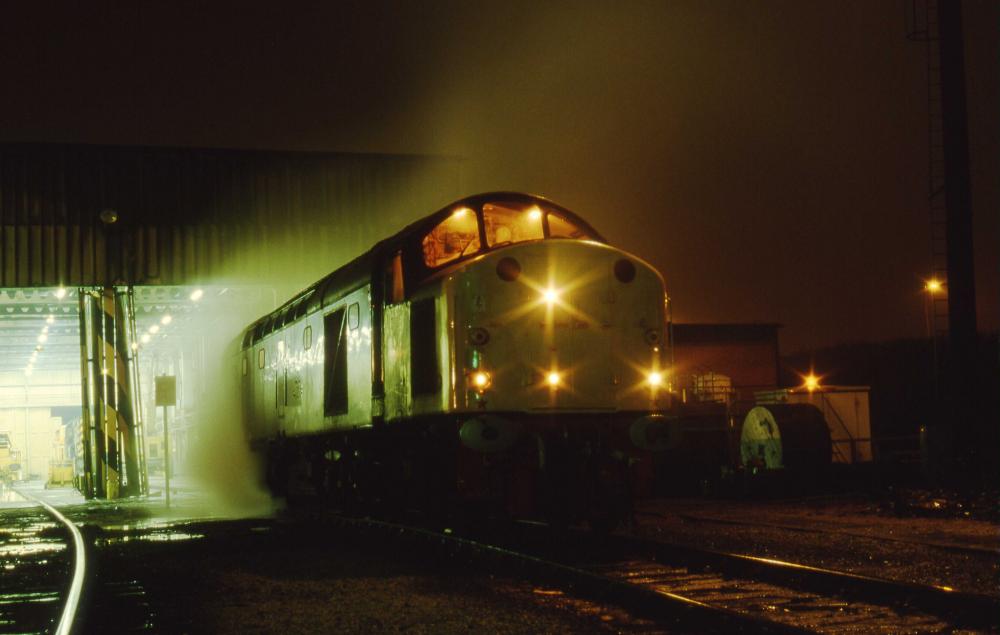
[[86, 484], [166, 456], [27, 434]]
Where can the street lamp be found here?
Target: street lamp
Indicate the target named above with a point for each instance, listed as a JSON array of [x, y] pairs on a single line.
[[934, 288], [811, 382]]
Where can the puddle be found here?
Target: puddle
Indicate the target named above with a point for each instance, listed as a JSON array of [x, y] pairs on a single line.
[[24, 598], [168, 536]]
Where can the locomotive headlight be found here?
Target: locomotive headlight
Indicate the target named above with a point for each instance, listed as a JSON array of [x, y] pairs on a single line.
[[481, 380], [655, 379], [550, 295], [553, 378]]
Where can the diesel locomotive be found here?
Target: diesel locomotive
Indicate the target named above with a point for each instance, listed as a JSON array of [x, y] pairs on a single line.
[[496, 355]]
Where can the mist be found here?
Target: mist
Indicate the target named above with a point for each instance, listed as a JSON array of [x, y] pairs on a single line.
[[245, 289], [221, 461]]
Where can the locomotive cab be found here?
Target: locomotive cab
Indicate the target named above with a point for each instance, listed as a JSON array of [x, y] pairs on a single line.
[[515, 304]]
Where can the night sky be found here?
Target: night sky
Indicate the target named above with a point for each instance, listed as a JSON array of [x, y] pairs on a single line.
[[770, 158]]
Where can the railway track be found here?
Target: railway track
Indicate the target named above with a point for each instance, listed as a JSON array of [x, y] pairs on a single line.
[[941, 546], [691, 590], [43, 566], [816, 599]]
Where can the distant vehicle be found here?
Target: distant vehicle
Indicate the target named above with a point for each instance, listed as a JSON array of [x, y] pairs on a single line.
[[497, 354]]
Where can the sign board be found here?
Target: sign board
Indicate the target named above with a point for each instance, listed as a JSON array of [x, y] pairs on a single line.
[[166, 390]]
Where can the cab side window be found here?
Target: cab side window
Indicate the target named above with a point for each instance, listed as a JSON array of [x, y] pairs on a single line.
[[454, 237], [394, 288]]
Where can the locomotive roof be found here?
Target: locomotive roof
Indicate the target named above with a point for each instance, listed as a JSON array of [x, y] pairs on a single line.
[[358, 271]]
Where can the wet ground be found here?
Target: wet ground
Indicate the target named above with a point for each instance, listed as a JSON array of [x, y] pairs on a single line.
[[185, 570], [174, 571]]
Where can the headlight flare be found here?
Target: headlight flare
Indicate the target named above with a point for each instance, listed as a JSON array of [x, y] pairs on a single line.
[[480, 380], [551, 295], [651, 379]]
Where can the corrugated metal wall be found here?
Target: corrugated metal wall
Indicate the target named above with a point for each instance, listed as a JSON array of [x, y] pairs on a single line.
[[188, 215]]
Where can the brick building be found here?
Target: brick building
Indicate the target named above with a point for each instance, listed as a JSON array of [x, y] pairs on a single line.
[[731, 360]]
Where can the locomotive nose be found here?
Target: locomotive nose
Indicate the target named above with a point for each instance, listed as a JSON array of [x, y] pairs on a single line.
[[580, 327]]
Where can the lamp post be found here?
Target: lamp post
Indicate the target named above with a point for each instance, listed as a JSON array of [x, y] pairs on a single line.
[[934, 289]]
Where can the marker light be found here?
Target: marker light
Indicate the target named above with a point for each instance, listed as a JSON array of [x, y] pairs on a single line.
[[933, 285], [196, 295], [811, 382], [550, 295], [654, 378], [552, 378], [166, 319], [481, 380], [60, 293]]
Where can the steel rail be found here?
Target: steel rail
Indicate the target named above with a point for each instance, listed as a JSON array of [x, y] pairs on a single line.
[[79, 566], [664, 607], [969, 549], [969, 610]]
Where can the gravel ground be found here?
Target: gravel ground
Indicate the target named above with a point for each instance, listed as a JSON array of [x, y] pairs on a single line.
[[850, 534], [236, 584]]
